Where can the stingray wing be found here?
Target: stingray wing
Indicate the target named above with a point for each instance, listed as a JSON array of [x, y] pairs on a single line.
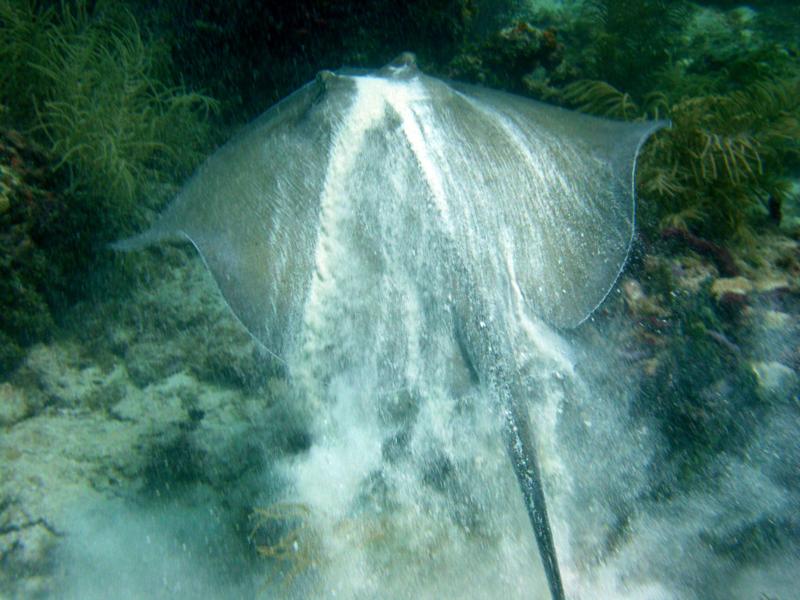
[[541, 198], [537, 200], [252, 211]]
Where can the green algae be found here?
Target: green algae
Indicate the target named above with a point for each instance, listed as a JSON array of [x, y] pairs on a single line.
[[726, 163], [87, 85], [95, 134], [626, 41]]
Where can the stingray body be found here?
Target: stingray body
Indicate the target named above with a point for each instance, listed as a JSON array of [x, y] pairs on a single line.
[[517, 209]]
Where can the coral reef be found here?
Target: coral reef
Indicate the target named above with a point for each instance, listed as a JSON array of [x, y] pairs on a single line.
[[515, 58], [725, 164], [84, 82], [104, 137], [155, 395], [31, 223], [713, 276], [686, 304]]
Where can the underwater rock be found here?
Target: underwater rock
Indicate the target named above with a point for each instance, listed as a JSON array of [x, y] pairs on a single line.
[[93, 447], [63, 379], [738, 286], [159, 328], [776, 381], [14, 405], [638, 302], [27, 544]]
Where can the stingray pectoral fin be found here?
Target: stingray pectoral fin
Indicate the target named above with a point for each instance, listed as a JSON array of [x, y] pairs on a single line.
[[544, 191], [252, 210], [522, 452], [147, 238]]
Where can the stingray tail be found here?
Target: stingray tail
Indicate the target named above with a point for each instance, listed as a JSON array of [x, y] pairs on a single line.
[[522, 451]]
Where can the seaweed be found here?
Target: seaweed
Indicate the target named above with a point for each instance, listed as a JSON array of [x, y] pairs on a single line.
[[724, 163], [723, 169], [286, 534], [629, 40], [282, 533], [85, 84], [600, 98], [93, 134], [23, 29], [725, 159]]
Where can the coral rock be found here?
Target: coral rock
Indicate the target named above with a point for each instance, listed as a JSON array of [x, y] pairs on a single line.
[[731, 285]]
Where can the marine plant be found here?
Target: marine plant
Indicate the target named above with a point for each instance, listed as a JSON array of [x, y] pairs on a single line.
[[281, 533], [22, 30], [285, 534], [723, 163], [601, 98], [93, 132], [722, 166], [85, 83], [625, 41]]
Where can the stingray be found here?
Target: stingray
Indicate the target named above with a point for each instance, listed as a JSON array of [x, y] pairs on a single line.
[[526, 207]]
